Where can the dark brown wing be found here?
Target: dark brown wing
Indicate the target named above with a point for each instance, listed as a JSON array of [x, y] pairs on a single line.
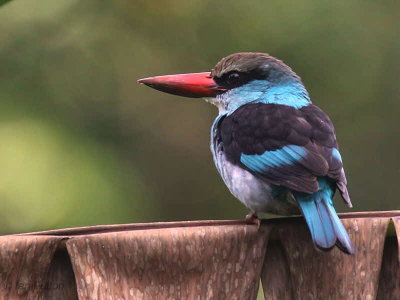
[[283, 145]]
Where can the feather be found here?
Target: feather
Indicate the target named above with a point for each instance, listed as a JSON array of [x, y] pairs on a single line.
[[325, 226], [284, 146]]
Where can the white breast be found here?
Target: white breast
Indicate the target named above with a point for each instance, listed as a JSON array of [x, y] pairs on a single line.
[[253, 192]]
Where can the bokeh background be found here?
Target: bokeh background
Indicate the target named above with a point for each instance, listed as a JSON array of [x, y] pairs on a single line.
[[81, 143]]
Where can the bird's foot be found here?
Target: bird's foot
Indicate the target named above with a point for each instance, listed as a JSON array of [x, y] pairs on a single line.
[[252, 218]]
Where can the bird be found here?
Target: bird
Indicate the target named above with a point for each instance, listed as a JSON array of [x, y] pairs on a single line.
[[275, 150]]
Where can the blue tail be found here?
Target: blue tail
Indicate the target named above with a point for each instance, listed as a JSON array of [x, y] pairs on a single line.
[[325, 226]]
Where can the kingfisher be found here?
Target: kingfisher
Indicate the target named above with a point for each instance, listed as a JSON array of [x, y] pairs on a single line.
[[275, 150]]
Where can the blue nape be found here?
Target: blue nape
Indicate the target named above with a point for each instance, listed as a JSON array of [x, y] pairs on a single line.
[[293, 94], [290, 93], [287, 155], [324, 224]]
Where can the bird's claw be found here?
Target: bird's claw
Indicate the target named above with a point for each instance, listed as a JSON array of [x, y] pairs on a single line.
[[252, 218]]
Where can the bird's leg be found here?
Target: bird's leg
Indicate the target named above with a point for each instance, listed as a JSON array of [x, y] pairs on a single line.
[[252, 218]]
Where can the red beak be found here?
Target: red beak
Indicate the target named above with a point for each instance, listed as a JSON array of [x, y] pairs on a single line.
[[193, 85]]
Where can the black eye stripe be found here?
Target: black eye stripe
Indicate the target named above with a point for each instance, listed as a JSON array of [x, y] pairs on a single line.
[[233, 79]]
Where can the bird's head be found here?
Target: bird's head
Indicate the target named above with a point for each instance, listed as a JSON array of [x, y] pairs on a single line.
[[236, 80]]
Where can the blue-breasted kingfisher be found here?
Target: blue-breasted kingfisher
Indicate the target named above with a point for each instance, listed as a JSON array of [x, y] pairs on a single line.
[[276, 151]]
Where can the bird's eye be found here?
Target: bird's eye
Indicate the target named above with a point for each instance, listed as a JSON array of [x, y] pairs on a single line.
[[233, 78]]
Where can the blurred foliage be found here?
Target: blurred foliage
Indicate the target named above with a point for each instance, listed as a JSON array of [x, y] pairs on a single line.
[[82, 143], [3, 2]]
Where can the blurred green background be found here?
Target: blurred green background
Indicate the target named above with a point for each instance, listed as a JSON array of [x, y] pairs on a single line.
[[82, 143]]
